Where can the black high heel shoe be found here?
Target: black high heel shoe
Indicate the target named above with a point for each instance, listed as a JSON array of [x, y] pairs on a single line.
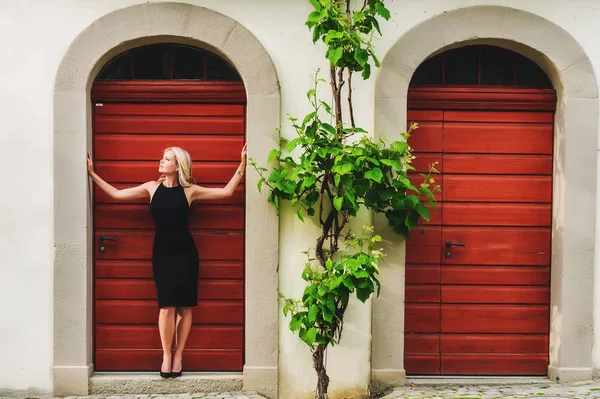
[[175, 374], [167, 374]]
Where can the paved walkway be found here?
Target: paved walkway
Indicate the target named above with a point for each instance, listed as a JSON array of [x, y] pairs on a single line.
[[542, 390], [580, 390]]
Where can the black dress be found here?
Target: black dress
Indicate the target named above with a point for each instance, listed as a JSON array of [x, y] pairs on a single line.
[[174, 253]]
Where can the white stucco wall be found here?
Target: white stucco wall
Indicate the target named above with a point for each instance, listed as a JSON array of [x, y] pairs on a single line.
[[34, 36]]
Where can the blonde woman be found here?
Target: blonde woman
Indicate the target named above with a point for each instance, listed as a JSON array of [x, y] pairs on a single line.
[[174, 253]]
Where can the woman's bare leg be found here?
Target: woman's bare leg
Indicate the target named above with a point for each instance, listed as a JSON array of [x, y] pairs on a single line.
[[166, 327], [184, 324]]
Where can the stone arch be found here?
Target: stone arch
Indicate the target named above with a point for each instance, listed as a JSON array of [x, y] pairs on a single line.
[[90, 50], [576, 131]]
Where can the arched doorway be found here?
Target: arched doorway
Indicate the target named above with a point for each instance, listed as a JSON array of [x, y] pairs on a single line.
[[143, 101], [477, 296]]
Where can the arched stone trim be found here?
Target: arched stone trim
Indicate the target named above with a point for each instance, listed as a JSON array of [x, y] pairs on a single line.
[[574, 193], [91, 49]]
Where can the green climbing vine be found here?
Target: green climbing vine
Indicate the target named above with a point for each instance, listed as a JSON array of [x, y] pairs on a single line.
[[331, 170]]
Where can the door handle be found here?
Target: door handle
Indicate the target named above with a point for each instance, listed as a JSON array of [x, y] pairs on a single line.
[[457, 244], [102, 239], [105, 238]]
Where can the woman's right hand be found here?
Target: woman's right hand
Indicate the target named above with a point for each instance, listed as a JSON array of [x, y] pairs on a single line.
[[90, 164]]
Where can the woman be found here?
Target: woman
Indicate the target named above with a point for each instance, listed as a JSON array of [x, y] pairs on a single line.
[[174, 254]]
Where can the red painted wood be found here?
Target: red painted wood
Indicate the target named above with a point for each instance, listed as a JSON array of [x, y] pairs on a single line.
[[424, 160], [425, 293], [421, 318], [137, 244], [117, 269], [430, 236], [496, 179], [527, 319], [423, 254], [150, 148], [422, 343], [494, 364], [427, 138], [171, 109], [101, 198], [150, 360], [422, 364], [169, 125], [497, 138], [148, 337], [488, 295], [494, 343], [499, 116], [423, 274], [131, 130], [495, 214], [218, 217], [424, 115], [496, 275], [481, 98], [131, 312], [141, 171], [493, 188], [144, 289], [169, 92], [498, 164], [499, 245]]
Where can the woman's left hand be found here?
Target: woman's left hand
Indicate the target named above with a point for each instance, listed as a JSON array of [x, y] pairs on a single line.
[[244, 150]]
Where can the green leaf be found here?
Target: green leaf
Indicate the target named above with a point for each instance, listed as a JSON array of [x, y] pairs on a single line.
[[316, 5], [317, 16], [308, 181], [312, 313], [273, 155], [311, 93], [392, 163], [361, 56], [310, 336], [374, 174], [295, 323], [336, 179], [327, 315], [335, 54], [358, 16], [327, 107], [308, 117], [374, 22], [325, 2], [330, 129], [423, 211], [381, 10], [292, 144], [337, 203], [399, 147], [259, 184], [366, 72], [350, 195], [322, 152], [343, 168], [300, 214]]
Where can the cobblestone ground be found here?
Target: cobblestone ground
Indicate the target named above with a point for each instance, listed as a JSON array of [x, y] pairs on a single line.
[[581, 390], [197, 395]]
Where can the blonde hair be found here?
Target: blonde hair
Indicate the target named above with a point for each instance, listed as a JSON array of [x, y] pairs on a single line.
[[184, 163]]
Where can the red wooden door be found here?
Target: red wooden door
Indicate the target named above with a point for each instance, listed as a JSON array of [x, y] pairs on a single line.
[[133, 124], [482, 308]]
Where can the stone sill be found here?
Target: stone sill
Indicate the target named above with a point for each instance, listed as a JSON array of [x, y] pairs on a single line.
[[152, 383]]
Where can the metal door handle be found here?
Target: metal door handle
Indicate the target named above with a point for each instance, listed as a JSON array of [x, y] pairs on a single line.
[[105, 238], [102, 239], [457, 244]]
